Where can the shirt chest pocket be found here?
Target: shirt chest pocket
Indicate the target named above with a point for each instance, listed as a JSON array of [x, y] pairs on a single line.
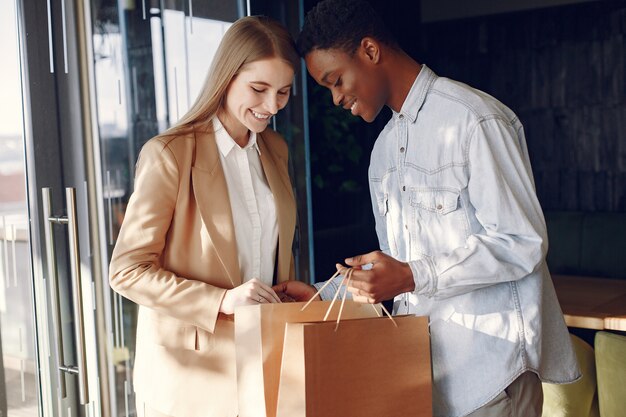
[[439, 223], [435, 200]]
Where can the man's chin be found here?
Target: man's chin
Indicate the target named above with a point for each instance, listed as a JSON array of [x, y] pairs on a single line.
[[369, 117]]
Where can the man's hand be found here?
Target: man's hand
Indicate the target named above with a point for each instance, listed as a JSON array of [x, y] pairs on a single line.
[[298, 291], [386, 279]]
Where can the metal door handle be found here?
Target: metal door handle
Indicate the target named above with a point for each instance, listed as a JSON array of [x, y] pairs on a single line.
[[52, 283], [81, 369], [79, 326]]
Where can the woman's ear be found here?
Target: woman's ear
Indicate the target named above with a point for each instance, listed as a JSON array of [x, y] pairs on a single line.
[[370, 47]]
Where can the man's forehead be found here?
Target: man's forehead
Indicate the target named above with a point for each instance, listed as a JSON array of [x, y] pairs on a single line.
[[321, 62]]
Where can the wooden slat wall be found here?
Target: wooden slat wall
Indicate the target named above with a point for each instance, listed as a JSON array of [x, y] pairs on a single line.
[[563, 70]]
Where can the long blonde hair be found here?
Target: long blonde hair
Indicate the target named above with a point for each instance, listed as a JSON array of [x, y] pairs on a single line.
[[249, 39]]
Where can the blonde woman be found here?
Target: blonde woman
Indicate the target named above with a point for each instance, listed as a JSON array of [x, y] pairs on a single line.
[[209, 226]]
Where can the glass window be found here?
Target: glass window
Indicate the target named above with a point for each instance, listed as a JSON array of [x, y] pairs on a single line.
[[18, 376]]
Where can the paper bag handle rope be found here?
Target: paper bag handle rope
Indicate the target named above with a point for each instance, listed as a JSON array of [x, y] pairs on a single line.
[[348, 277]]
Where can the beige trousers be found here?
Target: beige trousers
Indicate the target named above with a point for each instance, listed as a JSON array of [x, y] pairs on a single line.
[[523, 398]]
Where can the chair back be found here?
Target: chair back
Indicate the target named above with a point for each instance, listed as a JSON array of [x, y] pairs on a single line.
[[611, 371], [575, 399]]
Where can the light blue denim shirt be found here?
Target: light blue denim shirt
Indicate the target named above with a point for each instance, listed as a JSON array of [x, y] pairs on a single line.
[[453, 194]]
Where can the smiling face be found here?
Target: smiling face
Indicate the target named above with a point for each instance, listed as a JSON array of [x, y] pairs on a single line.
[[254, 95], [355, 81]]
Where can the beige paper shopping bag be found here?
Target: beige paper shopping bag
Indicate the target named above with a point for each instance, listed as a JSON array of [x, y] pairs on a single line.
[[259, 335], [364, 368]]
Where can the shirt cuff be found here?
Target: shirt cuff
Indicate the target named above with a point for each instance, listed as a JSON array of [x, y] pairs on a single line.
[[424, 276], [328, 293]]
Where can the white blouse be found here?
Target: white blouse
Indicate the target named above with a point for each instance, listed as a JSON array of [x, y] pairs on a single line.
[[252, 205]]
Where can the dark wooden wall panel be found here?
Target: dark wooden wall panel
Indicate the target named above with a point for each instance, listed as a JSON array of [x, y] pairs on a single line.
[[563, 70]]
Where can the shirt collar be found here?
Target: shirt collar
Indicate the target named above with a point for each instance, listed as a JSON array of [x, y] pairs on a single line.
[[225, 143], [417, 94]]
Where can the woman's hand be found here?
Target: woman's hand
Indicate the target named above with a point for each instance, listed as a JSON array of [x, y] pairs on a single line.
[[248, 293], [298, 291]]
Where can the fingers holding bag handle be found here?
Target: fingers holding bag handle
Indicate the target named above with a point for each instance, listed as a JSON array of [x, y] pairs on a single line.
[[359, 298], [347, 277]]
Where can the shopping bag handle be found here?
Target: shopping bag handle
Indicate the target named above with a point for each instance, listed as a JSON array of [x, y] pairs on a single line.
[[346, 278]]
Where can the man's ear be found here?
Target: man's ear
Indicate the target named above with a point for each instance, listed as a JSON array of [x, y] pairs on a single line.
[[370, 47]]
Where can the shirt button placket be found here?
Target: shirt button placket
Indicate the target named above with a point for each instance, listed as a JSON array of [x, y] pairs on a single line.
[[402, 141], [402, 145]]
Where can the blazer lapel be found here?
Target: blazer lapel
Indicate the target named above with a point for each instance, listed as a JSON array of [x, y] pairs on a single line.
[[211, 193], [283, 196]]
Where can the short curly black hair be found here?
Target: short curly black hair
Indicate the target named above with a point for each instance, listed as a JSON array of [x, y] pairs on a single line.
[[341, 24]]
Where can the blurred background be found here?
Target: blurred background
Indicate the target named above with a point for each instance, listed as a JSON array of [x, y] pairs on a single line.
[[86, 83]]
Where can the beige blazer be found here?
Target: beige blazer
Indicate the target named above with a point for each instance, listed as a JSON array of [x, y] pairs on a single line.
[[176, 256]]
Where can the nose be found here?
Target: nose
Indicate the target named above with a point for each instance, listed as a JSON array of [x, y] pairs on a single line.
[[337, 98], [272, 103]]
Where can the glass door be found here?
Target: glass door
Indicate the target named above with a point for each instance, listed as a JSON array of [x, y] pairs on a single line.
[[19, 385], [48, 327]]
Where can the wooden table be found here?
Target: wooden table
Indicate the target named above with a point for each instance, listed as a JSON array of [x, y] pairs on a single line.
[[592, 303]]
